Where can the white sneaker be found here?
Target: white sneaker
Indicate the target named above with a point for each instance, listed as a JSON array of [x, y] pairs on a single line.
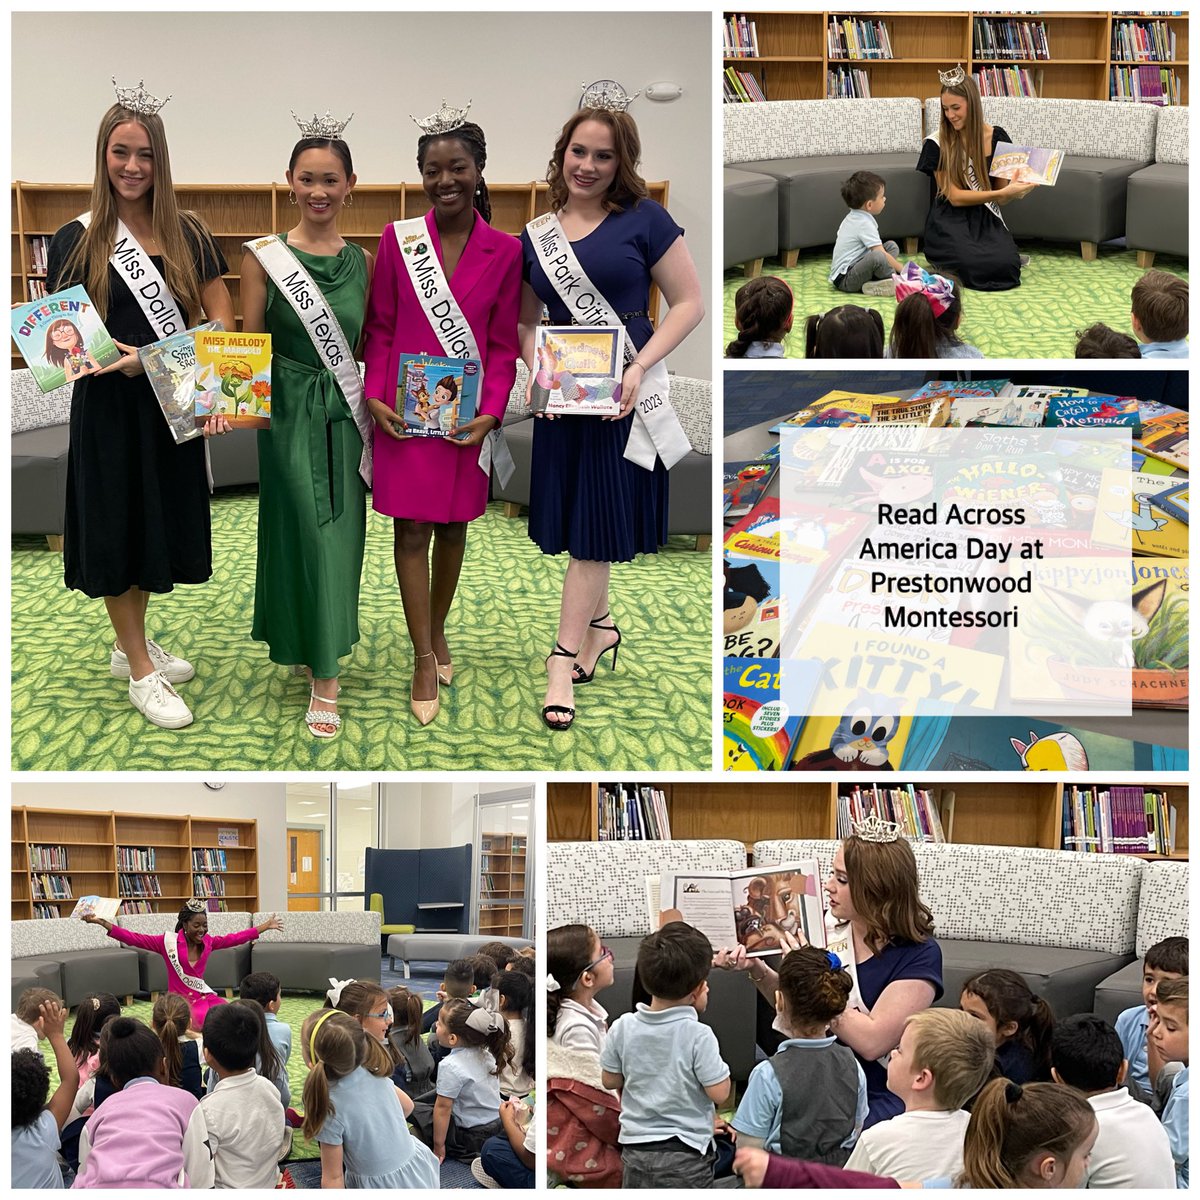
[[175, 670], [159, 702], [879, 287], [481, 1176]]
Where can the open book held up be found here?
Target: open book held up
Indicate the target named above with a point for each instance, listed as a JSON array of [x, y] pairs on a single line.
[[1026, 164]]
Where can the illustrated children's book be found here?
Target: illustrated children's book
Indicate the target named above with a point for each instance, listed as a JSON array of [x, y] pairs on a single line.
[[1165, 437], [1015, 412], [953, 388], [1126, 515], [931, 411], [758, 729], [435, 394], [96, 906], [833, 410], [578, 370], [1094, 410], [745, 483], [1026, 164], [170, 366], [1173, 502], [752, 908], [61, 338], [233, 378]]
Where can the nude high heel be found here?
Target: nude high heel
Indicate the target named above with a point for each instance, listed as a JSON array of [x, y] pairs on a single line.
[[425, 710]]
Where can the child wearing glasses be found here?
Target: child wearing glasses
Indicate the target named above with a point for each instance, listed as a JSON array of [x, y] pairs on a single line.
[[578, 966]]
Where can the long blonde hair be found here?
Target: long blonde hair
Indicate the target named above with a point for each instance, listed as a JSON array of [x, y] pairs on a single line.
[[959, 148], [87, 262]]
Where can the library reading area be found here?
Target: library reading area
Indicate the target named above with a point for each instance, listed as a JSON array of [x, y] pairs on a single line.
[[187, 911]]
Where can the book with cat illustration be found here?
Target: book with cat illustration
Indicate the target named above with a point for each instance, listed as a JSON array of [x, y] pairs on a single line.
[[435, 394], [758, 730], [578, 370], [62, 338]]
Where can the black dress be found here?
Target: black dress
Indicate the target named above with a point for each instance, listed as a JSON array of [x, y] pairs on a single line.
[[970, 240], [137, 503]]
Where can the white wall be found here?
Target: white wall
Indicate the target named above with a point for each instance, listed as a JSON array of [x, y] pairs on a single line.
[[264, 802], [427, 815], [229, 120]]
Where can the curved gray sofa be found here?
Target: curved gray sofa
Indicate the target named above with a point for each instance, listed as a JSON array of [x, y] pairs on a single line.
[[1157, 209], [442, 947], [750, 220], [314, 946], [73, 959]]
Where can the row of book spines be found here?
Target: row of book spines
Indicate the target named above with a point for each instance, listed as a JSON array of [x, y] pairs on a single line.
[[1005, 81], [741, 38], [633, 815], [208, 885], [45, 912], [39, 253], [847, 83], [49, 858], [1152, 40], [1144, 85], [138, 885], [134, 858], [741, 87], [1010, 39], [209, 860], [858, 39], [51, 887], [913, 809], [1121, 820]]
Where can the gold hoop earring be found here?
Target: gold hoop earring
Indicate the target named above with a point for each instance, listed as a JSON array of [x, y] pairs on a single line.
[[349, 200], [292, 198]]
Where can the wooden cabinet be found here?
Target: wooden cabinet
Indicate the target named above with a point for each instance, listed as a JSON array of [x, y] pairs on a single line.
[[502, 885]]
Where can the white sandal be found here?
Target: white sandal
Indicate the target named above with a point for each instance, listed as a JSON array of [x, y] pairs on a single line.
[[316, 716]]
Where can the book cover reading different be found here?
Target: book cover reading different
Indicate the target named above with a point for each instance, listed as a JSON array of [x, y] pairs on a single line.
[[62, 338], [436, 394], [1026, 164], [170, 366], [578, 370], [233, 378], [103, 907]]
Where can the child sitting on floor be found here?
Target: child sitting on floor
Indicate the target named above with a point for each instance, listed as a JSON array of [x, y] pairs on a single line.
[[414, 1067], [667, 1065], [171, 1019], [810, 1099], [847, 331], [1166, 959], [26, 1028], [36, 1123], [516, 1007], [578, 967], [1132, 1149], [265, 988], [1098, 341], [763, 317], [945, 1056], [507, 1160], [1169, 1036], [862, 261], [1021, 1023], [1160, 315], [927, 317]]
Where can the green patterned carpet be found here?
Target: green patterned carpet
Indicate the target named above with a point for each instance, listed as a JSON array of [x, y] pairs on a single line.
[[654, 713], [1059, 294]]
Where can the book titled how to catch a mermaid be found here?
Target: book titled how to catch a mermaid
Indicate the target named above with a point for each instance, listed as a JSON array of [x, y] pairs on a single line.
[[61, 338], [435, 395]]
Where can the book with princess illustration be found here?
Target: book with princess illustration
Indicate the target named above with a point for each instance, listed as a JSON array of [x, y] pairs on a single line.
[[61, 338], [578, 370], [1026, 164], [1094, 411], [103, 907], [170, 366], [233, 378], [435, 394]]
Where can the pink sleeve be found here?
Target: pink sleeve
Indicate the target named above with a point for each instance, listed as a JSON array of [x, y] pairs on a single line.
[[791, 1173], [220, 941], [379, 325], [503, 342], [140, 941]]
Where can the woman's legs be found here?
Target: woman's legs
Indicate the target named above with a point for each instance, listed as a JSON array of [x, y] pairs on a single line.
[[449, 548], [584, 597], [598, 638], [411, 552], [127, 612]]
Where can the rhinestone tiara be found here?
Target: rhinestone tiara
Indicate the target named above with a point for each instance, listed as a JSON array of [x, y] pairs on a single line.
[[444, 120], [607, 94], [953, 77], [875, 829], [322, 127], [196, 906], [137, 99]]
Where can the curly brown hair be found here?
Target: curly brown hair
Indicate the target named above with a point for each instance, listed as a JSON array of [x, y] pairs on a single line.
[[628, 187]]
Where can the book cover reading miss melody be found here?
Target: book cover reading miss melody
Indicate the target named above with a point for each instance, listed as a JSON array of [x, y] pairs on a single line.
[[61, 338]]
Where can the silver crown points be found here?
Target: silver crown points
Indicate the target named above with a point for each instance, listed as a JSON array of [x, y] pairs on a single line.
[[953, 77], [445, 120], [607, 94], [322, 127], [196, 906], [875, 829], [137, 99]]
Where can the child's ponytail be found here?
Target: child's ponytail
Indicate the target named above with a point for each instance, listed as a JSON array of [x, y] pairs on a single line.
[[170, 1019], [568, 952], [95, 1010], [812, 329], [516, 994], [815, 986], [407, 1010], [762, 312], [914, 330], [474, 1026], [334, 1044], [269, 1066], [847, 331]]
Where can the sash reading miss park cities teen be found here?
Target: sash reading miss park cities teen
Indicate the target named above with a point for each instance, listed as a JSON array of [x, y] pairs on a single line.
[[656, 430], [297, 287], [448, 323]]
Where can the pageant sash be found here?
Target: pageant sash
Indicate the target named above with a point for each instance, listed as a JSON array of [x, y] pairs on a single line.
[[656, 430], [316, 314], [171, 950], [447, 321], [976, 186]]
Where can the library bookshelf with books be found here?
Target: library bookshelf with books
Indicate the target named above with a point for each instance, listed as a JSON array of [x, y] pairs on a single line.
[[150, 863], [502, 858], [1065, 55]]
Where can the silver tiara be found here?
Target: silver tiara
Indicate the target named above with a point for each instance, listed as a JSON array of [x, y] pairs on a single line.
[[137, 99], [607, 94], [953, 77], [444, 120], [196, 906], [322, 127], [874, 829]]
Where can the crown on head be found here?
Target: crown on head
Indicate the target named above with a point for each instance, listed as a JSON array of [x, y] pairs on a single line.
[[196, 906], [875, 829], [445, 120], [137, 99], [322, 127], [607, 94], [953, 77]]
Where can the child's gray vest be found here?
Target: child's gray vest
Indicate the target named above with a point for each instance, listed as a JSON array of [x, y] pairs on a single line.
[[820, 1100]]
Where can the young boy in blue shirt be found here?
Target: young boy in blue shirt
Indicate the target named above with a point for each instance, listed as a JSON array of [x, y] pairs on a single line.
[[862, 261], [1160, 315], [264, 987], [1167, 959], [1169, 1037], [667, 1066]]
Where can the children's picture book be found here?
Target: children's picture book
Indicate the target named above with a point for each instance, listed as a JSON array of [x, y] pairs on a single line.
[[930, 411], [233, 378], [103, 907], [435, 394], [745, 484], [758, 730], [1094, 410], [753, 607], [1165, 437], [578, 370], [1174, 502], [954, 388], [833, 410], [170, 366], [61, 338], [1026, 164], [1014, 412], [751, 908], [1126, 515]]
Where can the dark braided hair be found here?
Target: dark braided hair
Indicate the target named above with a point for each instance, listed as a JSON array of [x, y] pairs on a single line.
[[763, 312], [472, 138]]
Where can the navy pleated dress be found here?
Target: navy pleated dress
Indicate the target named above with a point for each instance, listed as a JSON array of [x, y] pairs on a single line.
[[584, 496]]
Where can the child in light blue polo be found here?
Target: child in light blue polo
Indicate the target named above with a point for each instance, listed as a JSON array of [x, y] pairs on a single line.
[[1169, 1033], [1159, 315], [862, 261], [1166, 959], [667, 1066]]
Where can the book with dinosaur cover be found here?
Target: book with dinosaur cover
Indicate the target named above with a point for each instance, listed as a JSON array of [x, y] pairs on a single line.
[[61, 338], [233, 378], [578, 370], [436, 394]]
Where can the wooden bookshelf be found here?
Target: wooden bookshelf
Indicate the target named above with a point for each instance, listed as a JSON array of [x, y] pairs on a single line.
[[502, 858], [1021, 813], [794, 61], [236, 212], [93, 841]]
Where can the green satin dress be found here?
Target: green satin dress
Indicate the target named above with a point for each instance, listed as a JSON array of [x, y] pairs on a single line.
[[312, 500]]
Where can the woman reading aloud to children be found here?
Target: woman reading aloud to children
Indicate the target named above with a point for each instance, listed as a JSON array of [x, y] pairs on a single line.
[[965, 234]]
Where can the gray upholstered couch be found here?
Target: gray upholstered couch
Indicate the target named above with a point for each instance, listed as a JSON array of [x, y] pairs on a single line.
[[226, 968], [442, 947], [313, 946], [1157, 211], [1105, 143], [71, 958], [751, 220]]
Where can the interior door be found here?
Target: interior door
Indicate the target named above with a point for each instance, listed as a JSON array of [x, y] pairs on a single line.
[[304, 869]]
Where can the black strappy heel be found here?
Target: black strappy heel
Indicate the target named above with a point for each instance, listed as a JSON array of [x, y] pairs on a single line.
[[579, 675], [559, 652]]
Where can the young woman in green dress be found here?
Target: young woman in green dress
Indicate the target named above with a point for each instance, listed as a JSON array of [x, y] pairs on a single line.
[[312, 500]]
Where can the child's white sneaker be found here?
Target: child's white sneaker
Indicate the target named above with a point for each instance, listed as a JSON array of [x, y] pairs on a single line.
[[159, 702], [879, 287], [481, 1176], [175, 670]]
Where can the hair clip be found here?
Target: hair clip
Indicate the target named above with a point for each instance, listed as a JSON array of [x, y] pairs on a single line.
[[953, 77], [835, 963], [335, 992], [552, 984], [1013, 1092], [95, 1003], [483, 1020]]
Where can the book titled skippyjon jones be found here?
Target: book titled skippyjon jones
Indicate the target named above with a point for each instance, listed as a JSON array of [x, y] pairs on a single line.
[[577, 370], [233, 378], [61, 338]]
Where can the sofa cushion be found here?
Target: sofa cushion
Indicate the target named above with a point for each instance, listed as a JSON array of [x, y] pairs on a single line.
[[34, 409], [802, 128], [50, 441], [602, 884], [1121, 990], [57, 936], [308, 968], [35, 972], [1163, 906], [1088, 203], [346, 928], [692, 401], [90, 971], [1171, 135], [751, 226]]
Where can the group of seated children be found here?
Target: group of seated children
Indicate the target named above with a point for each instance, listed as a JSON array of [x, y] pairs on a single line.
[[169, 1105], [929, 305], [995, 1093]]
